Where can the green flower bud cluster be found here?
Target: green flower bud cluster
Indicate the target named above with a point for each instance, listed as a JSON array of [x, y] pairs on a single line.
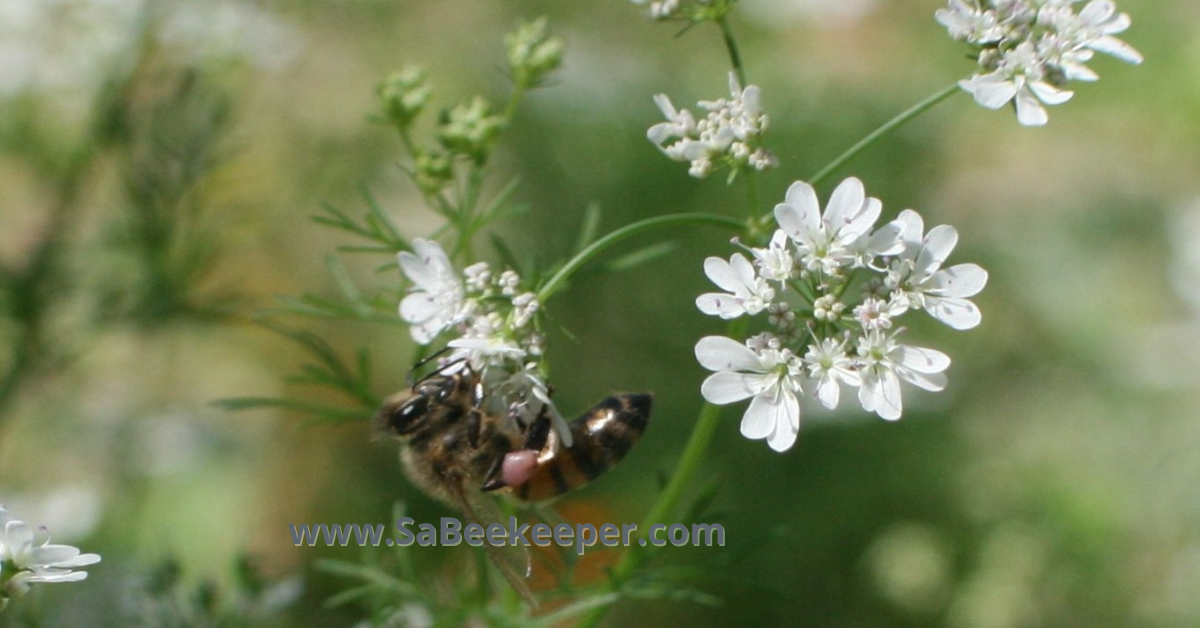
[[533, 54]]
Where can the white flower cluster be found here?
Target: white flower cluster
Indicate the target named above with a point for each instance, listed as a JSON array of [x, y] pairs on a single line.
[[660, 10], [28, 558], [729, 134], [494, 322], [820, 341], [1029, 49]]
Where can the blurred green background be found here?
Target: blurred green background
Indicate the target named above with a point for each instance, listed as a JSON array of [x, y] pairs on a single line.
[[159, 162]]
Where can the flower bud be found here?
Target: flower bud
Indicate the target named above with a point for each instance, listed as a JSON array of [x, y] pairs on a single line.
[[403, 95], [533, 53], [470, 129]]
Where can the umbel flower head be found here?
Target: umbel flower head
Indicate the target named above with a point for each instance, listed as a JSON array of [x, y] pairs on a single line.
[[27, 557], [729, 135], [1028, 50], [819, 338], [493, 328]]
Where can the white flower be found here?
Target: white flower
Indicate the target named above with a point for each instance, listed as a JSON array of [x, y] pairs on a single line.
[[835, 239], [876, 314], [436, 298], [661, 9], [769, 376], [812, 255], [530, 397], [884, 362], [970, 23], [485, 343], [26, 560], [830, 366], [918, 275], [1092, 28], [775, 263], [678, 124], [748, 292], [728, 133], [1021, 78], [1028, 50]]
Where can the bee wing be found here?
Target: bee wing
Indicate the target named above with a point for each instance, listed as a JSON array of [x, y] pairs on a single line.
[[513, 561]]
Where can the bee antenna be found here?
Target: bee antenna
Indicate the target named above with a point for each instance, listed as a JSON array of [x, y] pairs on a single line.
[[412, 380]]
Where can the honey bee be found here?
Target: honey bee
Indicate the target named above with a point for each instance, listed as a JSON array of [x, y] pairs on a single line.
[[455, 450]]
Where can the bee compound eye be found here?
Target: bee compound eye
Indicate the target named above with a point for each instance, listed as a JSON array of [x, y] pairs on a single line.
[[408, 414]]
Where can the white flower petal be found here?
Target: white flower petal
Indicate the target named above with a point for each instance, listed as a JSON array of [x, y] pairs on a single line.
[[70, 576], [1117, 48], [961, 280], [955, 312], [887, 239], [1048, 93], [828, 392], [845, 203], [718, 353], [726, 387], [920, 359], [720, 304], [744, 270], [889, 405], [1030, 112], [761, 417], [787, 424], [800, 213], [936, 247], [418, 307], [990, 91], [722, 273], [929, 381]]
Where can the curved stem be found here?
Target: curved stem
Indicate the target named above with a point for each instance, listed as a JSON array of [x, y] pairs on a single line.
[[731, 45], [595, 248], [887, 127]]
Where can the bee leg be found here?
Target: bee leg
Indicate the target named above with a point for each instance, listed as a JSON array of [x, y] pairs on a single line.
[[494, 478], [474, 427], [538, 432], [475, 417]]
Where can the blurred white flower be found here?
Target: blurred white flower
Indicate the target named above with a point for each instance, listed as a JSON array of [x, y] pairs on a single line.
[[728, 135], [27, 558], [918, 275], [758, 370], [1028, 50], [1020, 77], [436, 299]]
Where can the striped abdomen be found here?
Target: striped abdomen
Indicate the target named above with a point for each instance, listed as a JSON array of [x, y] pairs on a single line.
[[601, 437]]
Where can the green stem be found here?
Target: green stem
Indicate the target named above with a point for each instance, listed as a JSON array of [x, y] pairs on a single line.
[[731, 45], [756, 224], [887, 127], [595, 248]]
